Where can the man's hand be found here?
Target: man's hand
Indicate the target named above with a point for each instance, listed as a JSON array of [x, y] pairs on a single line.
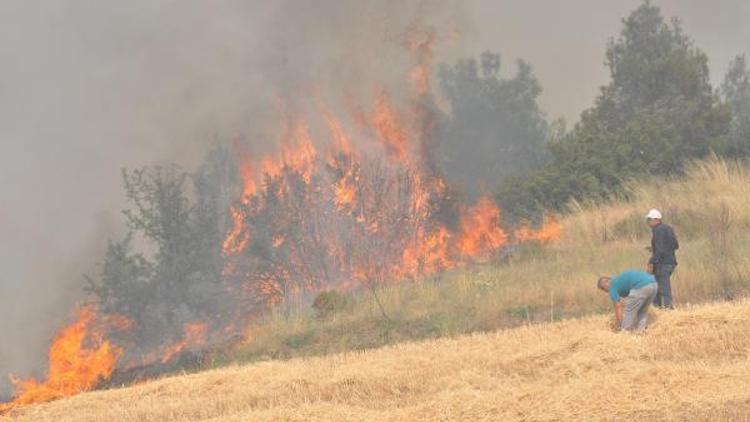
[[650, 268]]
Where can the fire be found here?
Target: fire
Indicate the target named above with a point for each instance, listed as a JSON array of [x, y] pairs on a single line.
[[481, 233], [297, 153], [238, 237], [391, 132], [340, 142], [301, 155], [342, 161], [194, 336], [374, 209], [80, 357], [550, 231], [345, 189], [428, 254], [247, 173]]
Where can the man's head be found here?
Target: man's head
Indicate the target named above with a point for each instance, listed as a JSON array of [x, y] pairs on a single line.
[[653, 218], [603, 283]]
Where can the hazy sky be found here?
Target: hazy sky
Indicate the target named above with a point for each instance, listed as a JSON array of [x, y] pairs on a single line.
[[565, 41], [87, 87]]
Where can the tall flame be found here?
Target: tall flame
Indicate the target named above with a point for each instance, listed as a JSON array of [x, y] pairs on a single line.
[[238, 237], [247, 173], [481, 233], [80, 357], [391, 131], [343, 162]]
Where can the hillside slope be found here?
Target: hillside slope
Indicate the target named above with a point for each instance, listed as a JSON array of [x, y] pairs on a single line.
[[693, 364]]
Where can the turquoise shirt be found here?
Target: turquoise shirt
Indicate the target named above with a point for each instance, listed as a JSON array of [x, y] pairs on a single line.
[[621, 285]]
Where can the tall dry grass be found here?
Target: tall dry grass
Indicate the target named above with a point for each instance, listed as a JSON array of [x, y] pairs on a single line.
[[710, 211], [692, 364]]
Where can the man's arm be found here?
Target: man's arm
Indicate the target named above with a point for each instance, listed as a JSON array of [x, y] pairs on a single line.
[[652, 248], [619, 307]]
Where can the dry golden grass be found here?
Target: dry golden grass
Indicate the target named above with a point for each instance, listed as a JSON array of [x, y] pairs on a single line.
[[692, 203], [693, 364]]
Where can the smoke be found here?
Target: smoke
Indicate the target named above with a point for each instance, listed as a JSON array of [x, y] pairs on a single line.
[[88, 87]]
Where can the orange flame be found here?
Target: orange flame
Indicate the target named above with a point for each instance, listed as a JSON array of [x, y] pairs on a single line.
[[481, 233], [79, 358], [301, 157], [248, 179], [297, 154], [342, 161], [340, 144], [194, 335], [550, 231], [391, 132], [345, 189], [237, 238], [427, 255]]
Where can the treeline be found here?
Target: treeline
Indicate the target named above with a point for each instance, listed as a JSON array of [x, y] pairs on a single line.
[[658, 111]]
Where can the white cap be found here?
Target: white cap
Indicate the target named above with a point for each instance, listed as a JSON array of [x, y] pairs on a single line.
[[654, 214]]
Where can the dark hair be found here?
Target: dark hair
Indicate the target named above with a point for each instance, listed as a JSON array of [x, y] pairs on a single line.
[[601, 280]]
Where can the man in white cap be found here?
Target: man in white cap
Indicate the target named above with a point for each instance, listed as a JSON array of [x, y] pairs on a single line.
[[663, 262]]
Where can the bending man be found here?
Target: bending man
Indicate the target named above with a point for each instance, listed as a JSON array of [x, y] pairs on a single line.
[[631, 292]]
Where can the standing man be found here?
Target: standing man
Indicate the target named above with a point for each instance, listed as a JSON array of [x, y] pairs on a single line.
[[631, 292], [663, 262]]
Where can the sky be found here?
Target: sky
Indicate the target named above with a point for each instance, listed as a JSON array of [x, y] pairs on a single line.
[[89, 87]]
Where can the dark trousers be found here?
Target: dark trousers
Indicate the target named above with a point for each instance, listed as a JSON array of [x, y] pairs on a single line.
[[663, 297]]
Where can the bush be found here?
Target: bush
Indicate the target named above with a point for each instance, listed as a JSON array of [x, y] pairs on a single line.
[[330, 303]]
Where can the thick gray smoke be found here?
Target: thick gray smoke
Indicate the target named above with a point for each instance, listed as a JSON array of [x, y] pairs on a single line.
[[87, 87]]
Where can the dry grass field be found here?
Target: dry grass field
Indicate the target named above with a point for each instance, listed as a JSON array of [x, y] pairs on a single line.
[[693, 364]]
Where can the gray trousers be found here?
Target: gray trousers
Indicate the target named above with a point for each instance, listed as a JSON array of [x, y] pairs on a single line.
[[663, 274], [635, 314]]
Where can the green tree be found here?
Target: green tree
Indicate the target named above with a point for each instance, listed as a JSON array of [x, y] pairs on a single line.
[[658, 111], [495, 126], [180, 219], [736, 93]]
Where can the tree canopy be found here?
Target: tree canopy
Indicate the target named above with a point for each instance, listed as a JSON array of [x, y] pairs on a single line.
[[495, 126], [658, 111]]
